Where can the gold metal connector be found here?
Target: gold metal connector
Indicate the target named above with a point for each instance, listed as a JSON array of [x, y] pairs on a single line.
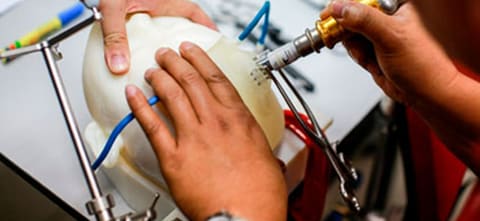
[[331, 32]]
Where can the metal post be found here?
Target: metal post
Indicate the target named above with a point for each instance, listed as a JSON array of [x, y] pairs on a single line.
[[72, 124], [100, 206]]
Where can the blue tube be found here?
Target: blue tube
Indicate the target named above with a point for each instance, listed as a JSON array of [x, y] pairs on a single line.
[[116, 131], [266, 22], [71, 13], [265, 10]]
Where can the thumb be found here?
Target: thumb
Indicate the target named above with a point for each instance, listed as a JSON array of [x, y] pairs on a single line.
[[370, 22], [117, 54]]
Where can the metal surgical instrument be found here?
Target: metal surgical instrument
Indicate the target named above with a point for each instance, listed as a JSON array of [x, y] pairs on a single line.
[[346, 173], [326, 33], [101, 205]]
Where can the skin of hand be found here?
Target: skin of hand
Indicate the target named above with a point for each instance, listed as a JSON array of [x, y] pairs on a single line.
[[410, 66], [384, 45], [117, 54], [219, 158]]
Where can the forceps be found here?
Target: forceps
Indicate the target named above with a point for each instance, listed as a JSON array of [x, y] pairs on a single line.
[[346, 173]]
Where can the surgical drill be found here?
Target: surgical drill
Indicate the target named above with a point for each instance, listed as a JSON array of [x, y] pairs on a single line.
[[326, 33]]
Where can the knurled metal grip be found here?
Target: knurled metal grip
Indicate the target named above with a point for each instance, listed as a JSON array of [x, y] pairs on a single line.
[[331, 32]]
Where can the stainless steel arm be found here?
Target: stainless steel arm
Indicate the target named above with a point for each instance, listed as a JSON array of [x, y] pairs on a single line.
[[345, 172], [101, 205]]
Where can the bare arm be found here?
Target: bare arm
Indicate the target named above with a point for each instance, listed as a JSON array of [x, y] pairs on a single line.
[[412, 68]]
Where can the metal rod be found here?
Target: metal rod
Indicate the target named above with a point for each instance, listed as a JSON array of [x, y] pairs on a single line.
[[20, 52], [70, 120], [73, 129], [328, 148], [320, 142], [305, 106], [72, 30], [341, 169]]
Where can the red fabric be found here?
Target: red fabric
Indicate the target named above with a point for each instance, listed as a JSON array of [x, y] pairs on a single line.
[[309, 206], [438, 173], [471, 211], [467, 72]]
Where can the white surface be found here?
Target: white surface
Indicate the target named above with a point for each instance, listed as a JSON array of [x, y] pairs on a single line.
[[7, 4], [33, 132]]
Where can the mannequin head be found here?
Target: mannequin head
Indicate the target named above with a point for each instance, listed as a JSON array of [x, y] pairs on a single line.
[[106, 101]]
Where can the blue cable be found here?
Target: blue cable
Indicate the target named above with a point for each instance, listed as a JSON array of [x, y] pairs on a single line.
[[266, 23], [264, 11], [116, 131]]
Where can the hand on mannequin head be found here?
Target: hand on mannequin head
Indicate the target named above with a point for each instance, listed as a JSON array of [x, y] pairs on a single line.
[[219, 158], [114, 13], [401, 56]]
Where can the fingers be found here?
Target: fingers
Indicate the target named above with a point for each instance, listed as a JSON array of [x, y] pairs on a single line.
[[117, 53], [366, 20], [174, 98], [218, 83], [189, 80], [327, 12], [197, 15], [186, 9], [362, 51], [155, 129]]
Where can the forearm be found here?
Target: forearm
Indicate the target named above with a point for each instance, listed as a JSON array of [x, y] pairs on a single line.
[[411, 67], [452, 109]]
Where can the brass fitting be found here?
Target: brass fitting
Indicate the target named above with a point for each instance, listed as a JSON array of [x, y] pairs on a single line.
[[331, 32]]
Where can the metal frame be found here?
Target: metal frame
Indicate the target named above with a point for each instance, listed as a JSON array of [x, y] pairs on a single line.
[[101, 205]]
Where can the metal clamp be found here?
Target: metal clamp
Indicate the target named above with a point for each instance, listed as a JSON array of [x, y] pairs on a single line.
[[146, 215], [101, 207], [346, 174]]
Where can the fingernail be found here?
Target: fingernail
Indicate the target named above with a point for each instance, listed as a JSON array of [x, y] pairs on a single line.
[[162, 51], [353, 10], [148, 74], [185, 46], [118, 63], [130, 90], [337, 9]]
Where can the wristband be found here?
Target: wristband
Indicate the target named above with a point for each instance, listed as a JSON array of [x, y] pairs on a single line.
[[223, 216]]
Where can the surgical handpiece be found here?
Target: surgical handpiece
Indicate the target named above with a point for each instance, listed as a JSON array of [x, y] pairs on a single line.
[[326, 33]]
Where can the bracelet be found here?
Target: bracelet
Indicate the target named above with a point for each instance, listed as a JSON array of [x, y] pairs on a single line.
[[223, 216]]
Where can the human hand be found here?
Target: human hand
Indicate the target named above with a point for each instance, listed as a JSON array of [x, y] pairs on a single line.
[[117, 54], [401, 56], [219, 158]]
